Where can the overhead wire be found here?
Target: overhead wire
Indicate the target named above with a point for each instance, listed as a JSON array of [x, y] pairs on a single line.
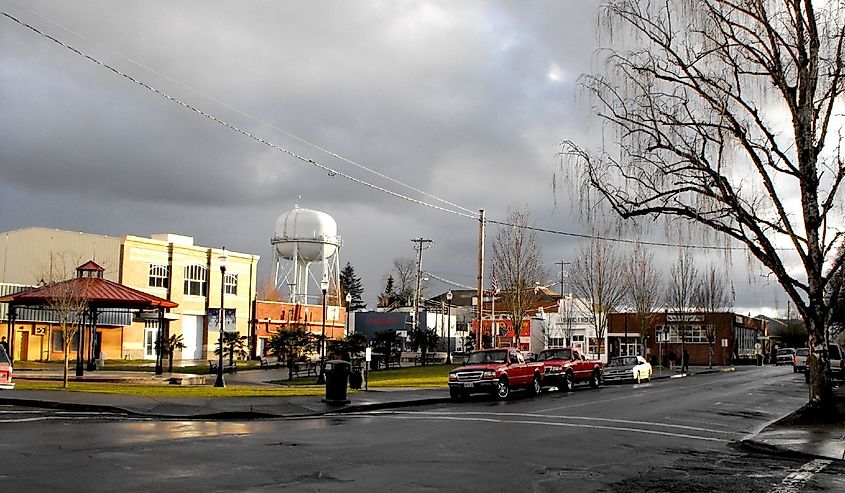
[[243, 113], [462, 211], [332, 172]]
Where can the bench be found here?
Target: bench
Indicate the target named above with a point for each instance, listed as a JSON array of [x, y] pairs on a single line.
[[226, 367], [429, 359], [305, 368]]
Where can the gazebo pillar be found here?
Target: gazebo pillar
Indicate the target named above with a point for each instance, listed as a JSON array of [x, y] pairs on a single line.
[[92, 365], [160, 343], [10, 332], [80, 343]]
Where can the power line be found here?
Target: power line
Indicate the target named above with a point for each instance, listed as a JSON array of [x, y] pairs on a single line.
[[243, 113], [463, 212], [330, 171]]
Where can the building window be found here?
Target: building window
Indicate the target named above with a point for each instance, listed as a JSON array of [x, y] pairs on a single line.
[[59, 342], [159, 276], [196, 279], [231, 284], [692, 334]]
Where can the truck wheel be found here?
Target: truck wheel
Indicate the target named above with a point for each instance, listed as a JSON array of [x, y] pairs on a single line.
[[503, 390], [595, 380], [535, 388], [568, 382]]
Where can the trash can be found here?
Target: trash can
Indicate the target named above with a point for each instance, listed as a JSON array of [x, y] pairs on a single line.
[[356, 379], [337, 375]]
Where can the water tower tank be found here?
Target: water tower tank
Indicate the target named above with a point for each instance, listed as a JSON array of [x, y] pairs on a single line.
[[307, 234], [303, 237]]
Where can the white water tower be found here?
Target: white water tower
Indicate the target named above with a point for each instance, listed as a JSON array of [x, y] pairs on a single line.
[[303, 237]]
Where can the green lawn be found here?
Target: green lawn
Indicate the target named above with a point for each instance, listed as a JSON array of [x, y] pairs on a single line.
[[413, 376], [174, 390], [416, 376]]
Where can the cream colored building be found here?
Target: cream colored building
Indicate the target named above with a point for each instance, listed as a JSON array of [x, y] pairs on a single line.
[[165, 265]]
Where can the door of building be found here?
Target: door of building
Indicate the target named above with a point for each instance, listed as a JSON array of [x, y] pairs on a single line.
[[150, 342]]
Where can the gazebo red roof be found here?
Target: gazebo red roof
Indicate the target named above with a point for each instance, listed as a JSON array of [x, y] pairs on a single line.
[[98, 292]]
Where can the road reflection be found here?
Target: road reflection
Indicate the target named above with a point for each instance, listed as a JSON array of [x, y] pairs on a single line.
[[154, 431]]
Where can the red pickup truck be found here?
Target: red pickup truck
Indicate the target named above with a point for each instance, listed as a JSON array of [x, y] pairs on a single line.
[[566, 366], [496, 371]]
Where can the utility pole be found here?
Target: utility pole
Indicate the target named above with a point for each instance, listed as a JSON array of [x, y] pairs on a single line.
[[420, 244], [479, 306], [564, 298]]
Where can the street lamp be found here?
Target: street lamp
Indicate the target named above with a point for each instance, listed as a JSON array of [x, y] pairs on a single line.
[[348, 301], [449, 327], [321, 379], [223, 258]]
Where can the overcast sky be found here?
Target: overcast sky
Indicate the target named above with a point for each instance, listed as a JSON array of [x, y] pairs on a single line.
[[466, 101]]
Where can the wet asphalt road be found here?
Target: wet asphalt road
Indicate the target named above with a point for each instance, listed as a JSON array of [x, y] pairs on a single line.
[[674, 435]]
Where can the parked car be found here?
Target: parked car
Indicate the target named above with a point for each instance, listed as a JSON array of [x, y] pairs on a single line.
[[495, 371], [5, 371], [625, 368], [837, 364], [799, 360], [784, 356], [566, 366]]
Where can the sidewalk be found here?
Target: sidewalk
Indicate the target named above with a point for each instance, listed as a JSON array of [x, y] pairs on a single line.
[[779, 437]]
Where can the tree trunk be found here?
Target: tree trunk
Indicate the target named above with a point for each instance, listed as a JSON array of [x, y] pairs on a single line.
[[67, 356], [818, 362]]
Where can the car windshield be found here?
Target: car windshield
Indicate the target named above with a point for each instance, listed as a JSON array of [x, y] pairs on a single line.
[[623, 361], [487, 357], [4, 358], [802, 352], [833, 352], [555, 354], [781, 352]]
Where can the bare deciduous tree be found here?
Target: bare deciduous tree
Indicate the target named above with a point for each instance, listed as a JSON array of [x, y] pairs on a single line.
[[404, 274], [518, 263], [267, 290], [724, 112], [680, 293], [711, 296], [597, 281], [68, 306], [642, 286]]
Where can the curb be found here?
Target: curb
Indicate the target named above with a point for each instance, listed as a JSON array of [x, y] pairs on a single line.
[[233, 415]]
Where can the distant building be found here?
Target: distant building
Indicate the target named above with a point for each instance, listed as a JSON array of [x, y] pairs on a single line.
[[737, 338], [165, 265], [273, 316]]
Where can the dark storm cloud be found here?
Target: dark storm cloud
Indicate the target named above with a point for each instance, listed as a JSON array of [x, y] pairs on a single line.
[[465, 100]]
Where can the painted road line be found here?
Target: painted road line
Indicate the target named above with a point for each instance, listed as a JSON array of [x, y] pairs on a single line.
[[564, 418], [532, 422]]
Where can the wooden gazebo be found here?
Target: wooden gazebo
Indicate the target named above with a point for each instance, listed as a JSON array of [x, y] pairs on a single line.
[[95, 293]]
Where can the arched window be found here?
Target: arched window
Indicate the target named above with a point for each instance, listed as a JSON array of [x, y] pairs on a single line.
[[231, 284], [159, 276], [196, 279]]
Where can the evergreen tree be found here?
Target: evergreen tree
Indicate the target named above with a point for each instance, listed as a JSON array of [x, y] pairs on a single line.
[[350, 283]]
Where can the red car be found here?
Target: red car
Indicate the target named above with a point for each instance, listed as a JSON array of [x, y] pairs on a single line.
[[567, 366], [495, 371], [5, 371]]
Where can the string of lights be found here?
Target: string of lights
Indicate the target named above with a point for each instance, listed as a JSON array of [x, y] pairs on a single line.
[[447, 281]]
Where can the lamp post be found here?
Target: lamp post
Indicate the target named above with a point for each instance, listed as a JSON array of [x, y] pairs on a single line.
[[321, 379], [348, 301], [449, 327], [223, 258]]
